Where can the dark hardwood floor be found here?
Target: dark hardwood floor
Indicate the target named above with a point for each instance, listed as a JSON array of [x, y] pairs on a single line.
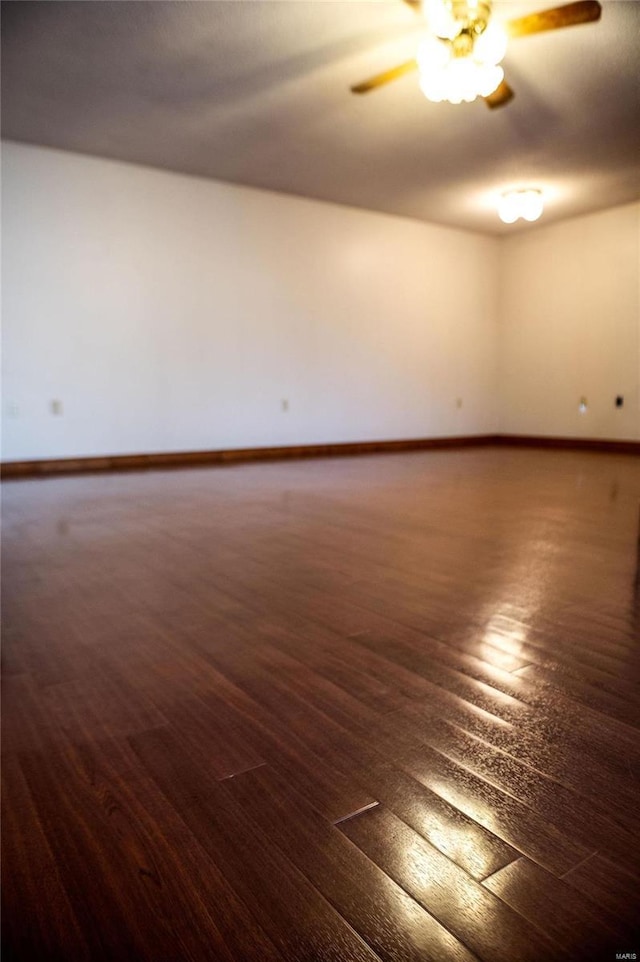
[[379, 708]]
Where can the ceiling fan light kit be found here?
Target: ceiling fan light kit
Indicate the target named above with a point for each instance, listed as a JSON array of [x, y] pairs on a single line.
[[459, 62], [459, 58], [526, 203], [444, 75]]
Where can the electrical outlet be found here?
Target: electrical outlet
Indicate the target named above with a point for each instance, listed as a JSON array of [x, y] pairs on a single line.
[[13, 409], [582, 407], [458, 402], [284, 404], [56, 407], [619, 401]]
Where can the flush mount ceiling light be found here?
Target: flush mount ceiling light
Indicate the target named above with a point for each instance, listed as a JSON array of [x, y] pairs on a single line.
[[526, 203]]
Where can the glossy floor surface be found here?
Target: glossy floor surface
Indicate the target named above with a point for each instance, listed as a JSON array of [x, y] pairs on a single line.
[[379, 708]]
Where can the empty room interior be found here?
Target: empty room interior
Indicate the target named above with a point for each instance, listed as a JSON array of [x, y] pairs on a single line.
[[321, 480]]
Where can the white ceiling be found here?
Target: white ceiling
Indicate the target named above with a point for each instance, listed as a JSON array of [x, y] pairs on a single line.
[[257, 92]]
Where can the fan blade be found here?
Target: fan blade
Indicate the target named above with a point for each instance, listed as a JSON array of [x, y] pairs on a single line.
[[583, 11], [500, 96], [385, 78]]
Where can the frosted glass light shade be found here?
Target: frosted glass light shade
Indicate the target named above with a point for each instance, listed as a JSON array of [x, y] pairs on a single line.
[[441, 20], [531, 205], [507, 210], [433, 54], [488, 78], [527, 204], [457, 79], [491, 46]]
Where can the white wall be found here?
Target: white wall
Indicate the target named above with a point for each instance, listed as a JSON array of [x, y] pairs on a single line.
[[570, 327], [170, 313]]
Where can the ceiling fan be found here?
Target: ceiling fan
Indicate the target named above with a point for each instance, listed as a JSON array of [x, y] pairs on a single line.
[[459, 58]]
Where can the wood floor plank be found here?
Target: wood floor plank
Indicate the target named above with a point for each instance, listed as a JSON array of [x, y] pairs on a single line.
[[386, 617], [375, 906], [206, 672], [603, 777], [127, 913], [381, 622], [487, 926], [103, 702], [278, 894], [50, 653], [610, 886], [308, 641], [194, 894], [502, 813], [333, 716], [180, 689], [583, 926], [38, 916], [568, 718], [234, 731], [550, 658], [559, 807], [328, 654], [546, 743], [415, 656], [414, 612], [458, 836], [572, 700], [156, 882], [588, 695], [290, 732], [315, 772], [28, 724]]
